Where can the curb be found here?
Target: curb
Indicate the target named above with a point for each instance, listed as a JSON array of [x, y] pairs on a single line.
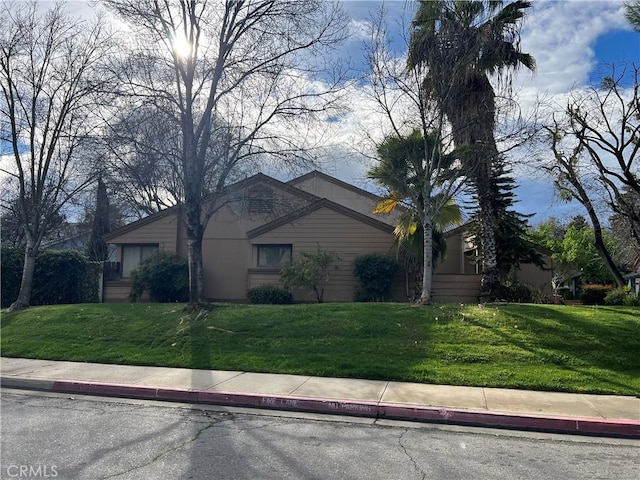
[[377, 410]]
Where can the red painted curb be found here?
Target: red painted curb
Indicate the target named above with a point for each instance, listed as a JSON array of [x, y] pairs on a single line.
[[556, 424], [585, 426]]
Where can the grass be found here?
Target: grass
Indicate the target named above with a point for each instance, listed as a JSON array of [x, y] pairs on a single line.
[[538, 347]]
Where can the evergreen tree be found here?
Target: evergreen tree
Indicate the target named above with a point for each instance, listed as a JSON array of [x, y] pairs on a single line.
[[96, 247], [513, 243]]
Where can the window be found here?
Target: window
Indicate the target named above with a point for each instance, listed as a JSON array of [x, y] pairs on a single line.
[[260, 200], [274, 256], [132, 255]]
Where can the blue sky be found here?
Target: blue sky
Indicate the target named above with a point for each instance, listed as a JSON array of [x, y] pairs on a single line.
[[574, 43]]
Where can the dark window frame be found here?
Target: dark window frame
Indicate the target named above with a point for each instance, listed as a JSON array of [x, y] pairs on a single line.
[[263, 262], [141, 256]]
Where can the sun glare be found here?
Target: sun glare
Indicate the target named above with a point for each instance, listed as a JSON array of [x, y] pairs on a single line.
[[181, 46]]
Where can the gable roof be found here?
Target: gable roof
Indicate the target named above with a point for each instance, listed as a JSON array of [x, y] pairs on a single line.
[[321, 203], [244, 183], [335, 181]]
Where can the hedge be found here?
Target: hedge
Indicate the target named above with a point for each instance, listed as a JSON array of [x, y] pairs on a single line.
[[269, 295], [59, 277], [375, 272]]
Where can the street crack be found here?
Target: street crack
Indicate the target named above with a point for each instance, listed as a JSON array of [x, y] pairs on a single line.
[[406, 452], [175, 448]]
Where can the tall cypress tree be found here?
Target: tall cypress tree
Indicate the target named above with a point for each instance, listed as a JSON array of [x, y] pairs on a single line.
[[96, 246]]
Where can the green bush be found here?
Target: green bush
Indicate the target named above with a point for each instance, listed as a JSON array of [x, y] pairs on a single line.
[[310, 271], [621, 296], [631, 300], [517, 292], [375, 272], [88, 290], [11, 273], [565, 293], [59, 277], [594, 294], [269, 295], [164, 276]]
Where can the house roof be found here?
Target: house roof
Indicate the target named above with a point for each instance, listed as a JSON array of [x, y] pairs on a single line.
[[244, 183], [321, 203]]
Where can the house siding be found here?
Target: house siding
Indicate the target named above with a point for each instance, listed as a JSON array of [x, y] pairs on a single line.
[[164, 232], [455, 287], [325, 188], [335, 232], [118, 292]]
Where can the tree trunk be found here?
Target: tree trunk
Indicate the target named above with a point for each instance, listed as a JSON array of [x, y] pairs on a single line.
[[196, 270], [427, 270], [26, 284], [583, 198], [471, 111], [490, 275], [602, 248]]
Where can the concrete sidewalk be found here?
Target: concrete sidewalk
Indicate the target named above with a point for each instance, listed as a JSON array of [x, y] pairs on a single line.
[[605, 415]]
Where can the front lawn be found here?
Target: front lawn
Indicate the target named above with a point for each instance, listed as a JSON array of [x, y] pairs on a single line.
[[538, 347]]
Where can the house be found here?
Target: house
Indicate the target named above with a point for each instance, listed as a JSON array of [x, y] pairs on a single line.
[[457, 277], [264, 223], [633, 277]]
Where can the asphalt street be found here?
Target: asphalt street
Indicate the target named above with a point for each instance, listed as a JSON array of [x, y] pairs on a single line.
[[63, 437]]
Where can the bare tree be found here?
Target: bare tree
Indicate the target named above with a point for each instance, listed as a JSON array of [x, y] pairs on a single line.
[[52, 86], [252, 63], [595, 147]]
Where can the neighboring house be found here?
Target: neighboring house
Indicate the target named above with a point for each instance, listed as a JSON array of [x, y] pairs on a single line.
[[633, 278], [263, 224], [77, 241]]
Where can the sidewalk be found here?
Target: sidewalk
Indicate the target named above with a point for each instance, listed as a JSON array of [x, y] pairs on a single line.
[[604, 415]]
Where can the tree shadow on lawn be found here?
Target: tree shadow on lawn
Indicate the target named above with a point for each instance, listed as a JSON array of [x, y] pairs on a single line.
[[598, 347], [199, 340]]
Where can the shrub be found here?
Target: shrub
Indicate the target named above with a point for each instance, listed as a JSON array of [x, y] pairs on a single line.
[[11, 273], [311, 271], [513, 291], [375, 272], [631, 300], [59, 277], [621, 296], [164, 276], [269, 295], [565, 293], [594, 294]]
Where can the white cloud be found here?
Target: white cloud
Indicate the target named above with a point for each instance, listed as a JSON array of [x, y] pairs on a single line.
[[561, 36]]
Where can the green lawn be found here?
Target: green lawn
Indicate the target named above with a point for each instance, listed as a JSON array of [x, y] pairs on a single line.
[[539, 347]]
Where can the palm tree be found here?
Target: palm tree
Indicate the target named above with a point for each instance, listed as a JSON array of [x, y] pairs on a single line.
[[409, 244], [462, 44], [406, 169]]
